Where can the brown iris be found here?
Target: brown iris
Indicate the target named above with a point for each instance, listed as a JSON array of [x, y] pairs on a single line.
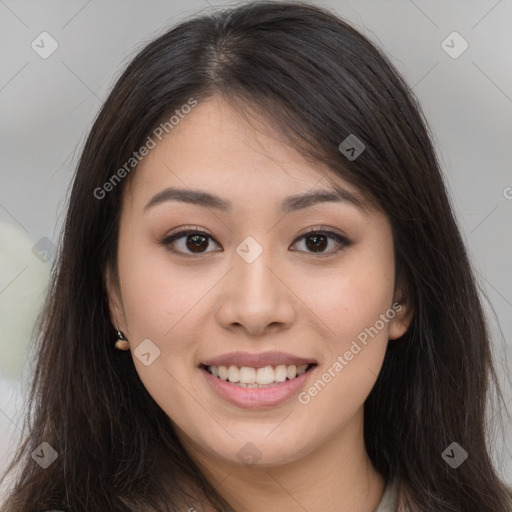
[[319, 242], [195, 242]]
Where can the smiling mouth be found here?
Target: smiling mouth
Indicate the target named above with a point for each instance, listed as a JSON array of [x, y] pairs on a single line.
[[249, 377]]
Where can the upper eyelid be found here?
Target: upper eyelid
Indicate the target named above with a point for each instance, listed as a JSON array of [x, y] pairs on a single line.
[[189, 231]]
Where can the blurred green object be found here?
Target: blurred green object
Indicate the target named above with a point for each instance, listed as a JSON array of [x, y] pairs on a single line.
[[24, 278]]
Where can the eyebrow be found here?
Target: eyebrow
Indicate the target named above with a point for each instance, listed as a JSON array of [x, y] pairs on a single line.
[[289, 204]]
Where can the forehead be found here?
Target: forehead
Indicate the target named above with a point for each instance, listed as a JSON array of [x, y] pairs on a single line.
[[216, 148]]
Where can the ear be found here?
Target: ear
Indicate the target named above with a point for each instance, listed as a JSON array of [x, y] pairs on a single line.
[[115, 305], [403, 315]]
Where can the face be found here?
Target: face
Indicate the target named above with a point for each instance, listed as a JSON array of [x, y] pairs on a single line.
[[250, 279]]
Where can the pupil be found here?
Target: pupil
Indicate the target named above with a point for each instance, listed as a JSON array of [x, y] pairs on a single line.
[[319, 242], [197, 240]]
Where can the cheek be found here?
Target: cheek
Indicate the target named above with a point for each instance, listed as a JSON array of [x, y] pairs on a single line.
[[162, 302], [157, 298], [156, 294], [351, 298], [352, 302], [147, 297]]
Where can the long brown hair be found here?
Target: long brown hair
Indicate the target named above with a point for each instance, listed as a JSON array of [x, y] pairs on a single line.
[[319, 81]]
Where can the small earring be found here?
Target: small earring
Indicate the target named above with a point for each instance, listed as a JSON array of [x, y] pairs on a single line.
[[121, 343]]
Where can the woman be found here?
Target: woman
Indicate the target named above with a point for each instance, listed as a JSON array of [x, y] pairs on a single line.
[[259, 217]]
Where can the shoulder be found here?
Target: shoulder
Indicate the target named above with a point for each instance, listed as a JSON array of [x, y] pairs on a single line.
[[389, 500]]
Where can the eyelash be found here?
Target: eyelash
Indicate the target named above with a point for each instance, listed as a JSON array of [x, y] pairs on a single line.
[[183, 232]]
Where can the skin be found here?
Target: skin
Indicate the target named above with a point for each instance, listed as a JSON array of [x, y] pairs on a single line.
[[193, 308]]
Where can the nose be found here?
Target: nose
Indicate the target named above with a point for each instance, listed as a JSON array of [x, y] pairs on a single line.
[[255, 298]]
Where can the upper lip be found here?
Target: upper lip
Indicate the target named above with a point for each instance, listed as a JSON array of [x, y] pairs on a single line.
[[260, 360]]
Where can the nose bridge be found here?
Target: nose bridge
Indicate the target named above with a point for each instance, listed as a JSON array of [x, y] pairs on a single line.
[[255, 297], [253, 275]]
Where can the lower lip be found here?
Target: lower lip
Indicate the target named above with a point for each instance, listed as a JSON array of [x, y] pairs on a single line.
[[255, 398]]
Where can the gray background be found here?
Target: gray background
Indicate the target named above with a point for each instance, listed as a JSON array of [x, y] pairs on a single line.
[[47, 106]]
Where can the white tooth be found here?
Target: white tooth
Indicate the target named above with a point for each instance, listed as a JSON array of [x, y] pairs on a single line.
[[258, 376], [301, 369], [265, 375], [247, 375], [280, 373], [223, 372], [260, 386], [233, 374], [291, 371]]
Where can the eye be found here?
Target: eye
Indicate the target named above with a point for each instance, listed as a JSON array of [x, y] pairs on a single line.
[[194, 240], [317, 240]]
